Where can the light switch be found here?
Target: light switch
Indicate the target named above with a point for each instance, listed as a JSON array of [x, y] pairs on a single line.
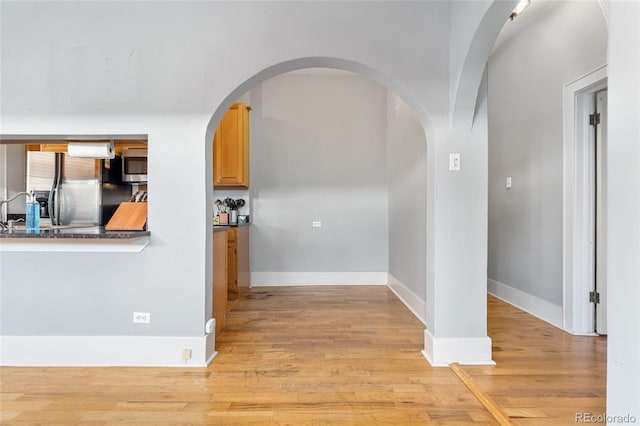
[[454, 162], [509, 182]]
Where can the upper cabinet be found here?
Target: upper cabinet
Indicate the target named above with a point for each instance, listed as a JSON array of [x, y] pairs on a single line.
[[231, 149], [119, 145]]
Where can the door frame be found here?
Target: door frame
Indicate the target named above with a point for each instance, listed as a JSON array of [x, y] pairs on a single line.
[[600, 229], [578, 220]]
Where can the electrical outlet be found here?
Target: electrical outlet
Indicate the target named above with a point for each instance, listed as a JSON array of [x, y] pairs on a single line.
[[186, 354], [454, 162], [142, 317], [509, 182], [316, 224]]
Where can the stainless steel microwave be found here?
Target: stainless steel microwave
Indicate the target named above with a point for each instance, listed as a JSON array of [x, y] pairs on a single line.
[[134, 165]]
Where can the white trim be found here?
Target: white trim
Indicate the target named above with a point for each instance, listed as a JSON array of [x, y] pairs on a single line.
[[577, 314], [416, 305], [4, 181], [600, 220], [101, 351], [442, 351], [526, 302], [210, 344], [73, 245], [270, 279]]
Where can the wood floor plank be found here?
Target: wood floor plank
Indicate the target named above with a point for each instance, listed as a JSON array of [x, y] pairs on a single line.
[[325, 355], [481, 395]]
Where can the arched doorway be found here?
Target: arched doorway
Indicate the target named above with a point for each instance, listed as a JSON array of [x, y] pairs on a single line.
[[415, 303]]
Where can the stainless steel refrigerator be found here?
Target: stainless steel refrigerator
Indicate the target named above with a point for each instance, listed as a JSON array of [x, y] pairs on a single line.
[[68, 189]]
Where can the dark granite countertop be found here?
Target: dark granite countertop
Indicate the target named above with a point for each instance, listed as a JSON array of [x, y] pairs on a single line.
[[235, 225], [90, 232], [222, 228]]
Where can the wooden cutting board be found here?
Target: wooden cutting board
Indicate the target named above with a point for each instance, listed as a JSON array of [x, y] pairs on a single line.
[[128, 217]]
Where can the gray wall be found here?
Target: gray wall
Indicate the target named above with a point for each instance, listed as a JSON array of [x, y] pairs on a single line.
[[341, 149], [407, 181], [318, 153], [163, 69], [526, 78]]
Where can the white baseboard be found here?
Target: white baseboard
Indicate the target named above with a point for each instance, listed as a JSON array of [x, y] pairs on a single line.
[[103, 351], [442, 351], [270, 279], [416, 305], [210, 345], [533, 305]]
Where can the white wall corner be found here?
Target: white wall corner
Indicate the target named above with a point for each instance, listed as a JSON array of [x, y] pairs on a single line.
[[104, 351], [526, 302], [271, 279], [416, 305], [442, 351]]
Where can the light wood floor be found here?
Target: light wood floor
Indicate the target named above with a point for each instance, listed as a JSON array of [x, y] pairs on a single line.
[[317, 355], [543, 375]]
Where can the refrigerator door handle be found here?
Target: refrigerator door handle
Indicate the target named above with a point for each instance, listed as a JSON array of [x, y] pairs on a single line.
[[50, 203], [54, 202], [54, 206]]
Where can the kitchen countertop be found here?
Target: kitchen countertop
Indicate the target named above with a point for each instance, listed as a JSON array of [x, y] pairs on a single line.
[[219, 228], [89, 232]]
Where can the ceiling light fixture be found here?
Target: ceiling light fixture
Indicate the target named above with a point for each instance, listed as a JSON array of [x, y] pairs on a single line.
[[519, 8]]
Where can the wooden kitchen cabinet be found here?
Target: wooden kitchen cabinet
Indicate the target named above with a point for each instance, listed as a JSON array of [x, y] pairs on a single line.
[[118, 146], [232, 266], [238, 261], [53, 147], [220, 259], [242, 237], [121, 145], [231, 149]]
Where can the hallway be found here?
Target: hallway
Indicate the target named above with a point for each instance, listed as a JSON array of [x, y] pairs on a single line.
[[315, 355]]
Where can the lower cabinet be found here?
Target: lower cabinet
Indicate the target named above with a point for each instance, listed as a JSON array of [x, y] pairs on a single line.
[[230, 270], [232, 266], [243, 256], [220, 264], [238, 257]]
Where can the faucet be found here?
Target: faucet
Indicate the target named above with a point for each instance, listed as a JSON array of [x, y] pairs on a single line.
[[3, 225]]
